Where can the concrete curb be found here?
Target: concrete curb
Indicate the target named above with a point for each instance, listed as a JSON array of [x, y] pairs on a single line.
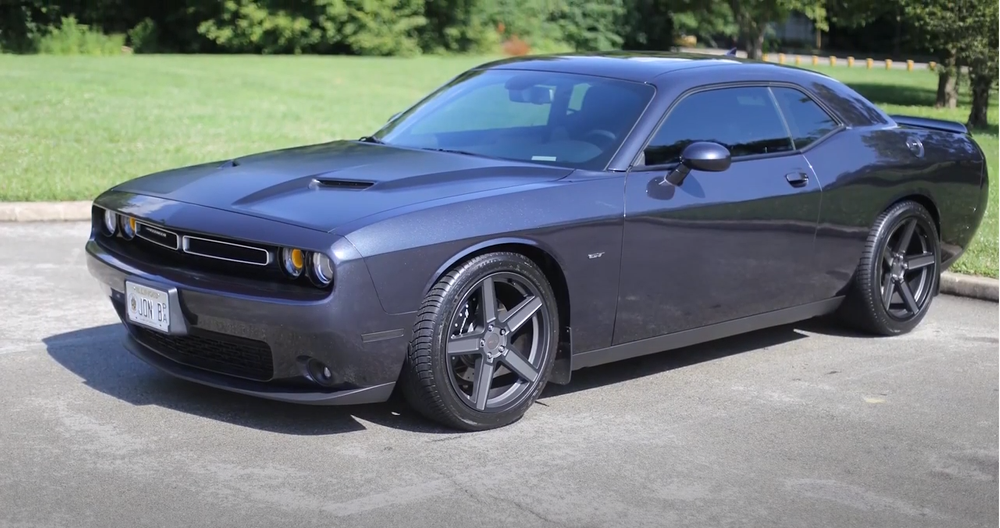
[[982, 288], [951, 283], [44, 211]]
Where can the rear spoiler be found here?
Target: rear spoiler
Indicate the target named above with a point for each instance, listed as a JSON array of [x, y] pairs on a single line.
[[933, 124]]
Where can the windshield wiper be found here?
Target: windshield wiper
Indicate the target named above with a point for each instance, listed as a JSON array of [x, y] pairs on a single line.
[[454, 151], [370, 139]]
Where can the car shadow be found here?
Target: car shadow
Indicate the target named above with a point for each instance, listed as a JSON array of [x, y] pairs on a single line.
[[98, 358], [756, 341]]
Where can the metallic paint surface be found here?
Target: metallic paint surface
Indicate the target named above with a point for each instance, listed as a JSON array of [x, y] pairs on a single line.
[[640, 260]]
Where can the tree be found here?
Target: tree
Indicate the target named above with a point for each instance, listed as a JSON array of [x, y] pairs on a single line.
[[705, 20], [938, 23], [979, 50], [753, 18], [964, 34]]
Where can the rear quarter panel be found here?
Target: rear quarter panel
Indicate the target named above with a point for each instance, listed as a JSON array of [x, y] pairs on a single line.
[[865, 170], [577, 221]]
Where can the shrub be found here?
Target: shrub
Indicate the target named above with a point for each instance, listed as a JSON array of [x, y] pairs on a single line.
[[73, 38], [364, 27], [145, 37]]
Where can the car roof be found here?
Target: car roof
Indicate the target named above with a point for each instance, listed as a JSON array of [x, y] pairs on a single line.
[[632, 65]]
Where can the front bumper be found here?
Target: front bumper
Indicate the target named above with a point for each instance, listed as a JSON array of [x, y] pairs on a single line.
[[255, 344]]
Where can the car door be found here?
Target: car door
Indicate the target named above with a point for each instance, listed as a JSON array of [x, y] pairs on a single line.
[[721, 245]]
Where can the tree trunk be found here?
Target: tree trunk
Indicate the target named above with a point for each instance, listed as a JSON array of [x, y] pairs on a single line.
[[981, 86], [755, 43], [947, 92]]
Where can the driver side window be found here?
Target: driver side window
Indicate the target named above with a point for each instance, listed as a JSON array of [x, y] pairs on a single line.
[[745, 120]]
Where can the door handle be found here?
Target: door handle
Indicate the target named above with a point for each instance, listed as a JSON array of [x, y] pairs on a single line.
[[797, 179]]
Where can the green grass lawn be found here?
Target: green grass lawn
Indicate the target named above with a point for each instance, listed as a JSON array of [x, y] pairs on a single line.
[[71, 127]]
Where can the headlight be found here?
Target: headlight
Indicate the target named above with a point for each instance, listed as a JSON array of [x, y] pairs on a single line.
[[128, 227], [110, 222], [322, 269], [293, 260]]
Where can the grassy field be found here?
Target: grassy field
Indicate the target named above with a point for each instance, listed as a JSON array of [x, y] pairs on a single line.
[[72, 126]]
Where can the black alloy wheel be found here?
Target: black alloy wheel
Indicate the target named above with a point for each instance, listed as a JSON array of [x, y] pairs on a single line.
[[484, 343], [899, 272], [908, 269]]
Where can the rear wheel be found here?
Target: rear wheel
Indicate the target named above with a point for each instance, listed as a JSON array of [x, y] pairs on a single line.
[[484, 343], [898, 273]]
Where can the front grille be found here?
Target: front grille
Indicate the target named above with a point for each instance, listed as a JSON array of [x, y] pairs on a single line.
[[234, 356], [228, 251], [224, 261], [162, 237]]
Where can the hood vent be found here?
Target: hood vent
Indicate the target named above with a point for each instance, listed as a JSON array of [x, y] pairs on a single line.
[[347, 185]]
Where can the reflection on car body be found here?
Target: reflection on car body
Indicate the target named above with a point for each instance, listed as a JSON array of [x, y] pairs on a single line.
[[534, 216]]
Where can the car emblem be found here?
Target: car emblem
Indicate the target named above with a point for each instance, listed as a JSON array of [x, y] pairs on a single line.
[[156, 232]]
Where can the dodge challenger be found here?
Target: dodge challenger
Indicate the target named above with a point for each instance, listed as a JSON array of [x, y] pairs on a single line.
[[531, 217]]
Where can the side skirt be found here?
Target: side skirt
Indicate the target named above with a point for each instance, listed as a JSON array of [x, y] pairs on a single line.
[[704, 334]]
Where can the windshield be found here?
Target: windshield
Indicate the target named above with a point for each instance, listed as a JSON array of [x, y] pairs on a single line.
[[542, 117]]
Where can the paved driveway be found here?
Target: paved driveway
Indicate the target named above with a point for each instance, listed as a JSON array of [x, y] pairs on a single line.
[[803, 425]]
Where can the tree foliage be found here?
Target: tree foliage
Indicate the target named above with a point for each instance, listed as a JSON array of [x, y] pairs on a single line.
[[754, 17]]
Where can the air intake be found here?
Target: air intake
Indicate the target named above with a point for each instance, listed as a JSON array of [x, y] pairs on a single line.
[[347, 185]]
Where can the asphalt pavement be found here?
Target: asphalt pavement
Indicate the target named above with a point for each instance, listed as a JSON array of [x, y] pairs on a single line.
[[802, 425]]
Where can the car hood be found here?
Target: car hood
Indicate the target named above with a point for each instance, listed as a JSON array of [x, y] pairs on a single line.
[[327, 185]]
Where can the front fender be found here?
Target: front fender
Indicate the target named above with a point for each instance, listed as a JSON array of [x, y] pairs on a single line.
[[579, 223]]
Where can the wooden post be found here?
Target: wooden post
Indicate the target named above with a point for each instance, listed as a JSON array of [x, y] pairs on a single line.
[[909, 65], [763, 57], [888, 64], [781, 58], [869, 63], [850, 62], [798, 60], [833, 60], [931, 65], [815, 60]]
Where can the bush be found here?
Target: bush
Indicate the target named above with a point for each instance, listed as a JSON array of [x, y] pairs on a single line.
[[388, 27], [73, 38], [144, 37]]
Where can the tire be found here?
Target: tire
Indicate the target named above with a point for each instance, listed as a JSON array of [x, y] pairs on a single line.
[[906, 276], [456, 339]]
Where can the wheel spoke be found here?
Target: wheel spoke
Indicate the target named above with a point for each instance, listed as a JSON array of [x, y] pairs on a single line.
[[482, 383], [521, 313], [911, 303], [518, 365], [489, 301], [920, 261], [904, 239], [888, 288], [887, 257], [463, 345]]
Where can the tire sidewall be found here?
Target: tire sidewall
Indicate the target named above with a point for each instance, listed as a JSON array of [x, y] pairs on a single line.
[[889, 222], [470, 275]]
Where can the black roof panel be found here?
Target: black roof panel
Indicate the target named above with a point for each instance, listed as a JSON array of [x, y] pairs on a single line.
[[633, 66]]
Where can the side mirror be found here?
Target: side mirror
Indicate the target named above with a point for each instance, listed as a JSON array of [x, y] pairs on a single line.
[[702, 155]]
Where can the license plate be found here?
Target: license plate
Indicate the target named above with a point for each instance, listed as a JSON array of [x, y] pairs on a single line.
[[147, 306]]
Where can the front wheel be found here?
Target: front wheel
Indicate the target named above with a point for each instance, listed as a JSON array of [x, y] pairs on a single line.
[[483, 344], [898, 273]]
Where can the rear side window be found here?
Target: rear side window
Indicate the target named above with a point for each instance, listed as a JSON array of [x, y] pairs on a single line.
[[807, 122], [743, 119]]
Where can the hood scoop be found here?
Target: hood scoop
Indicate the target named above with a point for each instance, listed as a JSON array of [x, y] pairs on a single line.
[[347, 185]]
